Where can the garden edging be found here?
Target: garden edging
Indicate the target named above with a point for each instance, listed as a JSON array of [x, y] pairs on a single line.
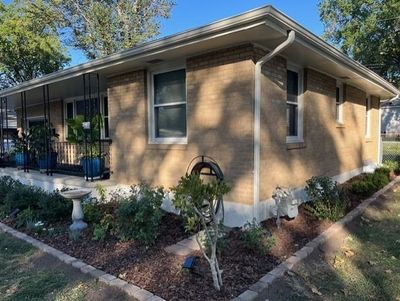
[[130, 289], [259, 290]]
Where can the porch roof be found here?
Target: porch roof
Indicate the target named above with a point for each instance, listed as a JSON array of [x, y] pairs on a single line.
[[264, 26]]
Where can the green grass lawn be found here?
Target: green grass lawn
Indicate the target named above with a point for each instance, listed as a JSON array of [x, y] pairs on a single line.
[[367, 267], [27, 274]]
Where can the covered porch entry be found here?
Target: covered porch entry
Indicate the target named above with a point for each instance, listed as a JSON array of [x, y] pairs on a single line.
[[62, 128]]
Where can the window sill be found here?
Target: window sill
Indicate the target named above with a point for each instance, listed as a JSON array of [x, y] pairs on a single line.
[[294, 139], [368, 140], [167, 141], [340, 124], [295, 145]]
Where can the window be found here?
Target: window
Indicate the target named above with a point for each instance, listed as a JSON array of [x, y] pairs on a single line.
[[368, 117], [76, 107], [339, 103], [294, 106], [168, 112], [35, 121]]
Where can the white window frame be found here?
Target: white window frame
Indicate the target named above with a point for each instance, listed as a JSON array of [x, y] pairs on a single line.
[[300, 105], [339, 112], [368, 117], [80, 98], [150, 89]]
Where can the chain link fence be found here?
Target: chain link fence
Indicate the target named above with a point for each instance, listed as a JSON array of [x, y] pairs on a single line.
[[390, 148]]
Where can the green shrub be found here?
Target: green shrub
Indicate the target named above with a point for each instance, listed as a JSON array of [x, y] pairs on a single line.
[[22, 197], [371, 183], [53, 207], [327, 199], [47, 206], [384, 171], [256, 238], [139, 215], [102, 229], [393, 166], [92, 211], [6, 184], [95, 210], [380, 178], [363, 187], [25, 217]]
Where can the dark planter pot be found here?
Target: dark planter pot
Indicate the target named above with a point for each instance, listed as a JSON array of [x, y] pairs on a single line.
[[93, 167], [48, 163], [21, 159]]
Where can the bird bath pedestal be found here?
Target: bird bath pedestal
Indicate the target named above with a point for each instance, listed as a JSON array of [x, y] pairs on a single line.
[[77, 213]]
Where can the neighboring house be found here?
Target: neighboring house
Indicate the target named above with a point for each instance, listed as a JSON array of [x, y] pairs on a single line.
[[390, 125], [270, 101]]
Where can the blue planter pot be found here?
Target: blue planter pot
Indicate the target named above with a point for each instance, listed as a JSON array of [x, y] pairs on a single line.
[[48, 163], [93, 167], [21, 159]]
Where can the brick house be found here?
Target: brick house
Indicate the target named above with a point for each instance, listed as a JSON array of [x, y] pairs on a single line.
[[271, 102]]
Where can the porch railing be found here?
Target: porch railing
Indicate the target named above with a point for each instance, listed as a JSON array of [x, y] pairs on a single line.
[[69, 157]]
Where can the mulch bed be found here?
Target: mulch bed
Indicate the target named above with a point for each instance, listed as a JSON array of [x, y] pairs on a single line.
[[161, 273]]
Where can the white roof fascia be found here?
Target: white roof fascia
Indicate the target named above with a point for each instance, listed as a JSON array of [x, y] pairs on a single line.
[[213, 30], [267, 15]]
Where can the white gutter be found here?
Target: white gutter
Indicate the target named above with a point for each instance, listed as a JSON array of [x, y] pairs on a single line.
[[257, 117], [379, 159], [315, 43], [268, 15]]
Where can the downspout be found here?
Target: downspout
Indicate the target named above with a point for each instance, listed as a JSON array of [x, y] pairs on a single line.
[[380, 135], [257, 117]]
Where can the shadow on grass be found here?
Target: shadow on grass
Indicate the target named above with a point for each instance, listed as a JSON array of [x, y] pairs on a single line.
[[367, 267], [28, 274]]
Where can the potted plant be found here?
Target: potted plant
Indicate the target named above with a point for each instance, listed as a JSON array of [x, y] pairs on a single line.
[[86, 135], [21, 148], [41, 138]]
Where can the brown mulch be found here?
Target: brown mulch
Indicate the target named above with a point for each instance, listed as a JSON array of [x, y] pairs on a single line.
[[295, 233], [161, 273]]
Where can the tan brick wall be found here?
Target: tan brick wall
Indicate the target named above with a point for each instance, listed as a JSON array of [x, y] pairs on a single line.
[[329, 148], [56, 116], [220, 106], [220, 101]]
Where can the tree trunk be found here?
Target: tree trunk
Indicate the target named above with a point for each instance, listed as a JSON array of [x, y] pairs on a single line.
[[215, 275]]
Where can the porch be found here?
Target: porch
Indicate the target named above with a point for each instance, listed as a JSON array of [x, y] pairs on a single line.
[[57, 181], [44, 135], [67, 160]]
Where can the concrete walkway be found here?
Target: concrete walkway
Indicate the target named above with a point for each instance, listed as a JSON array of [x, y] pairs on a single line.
[[184, 247]]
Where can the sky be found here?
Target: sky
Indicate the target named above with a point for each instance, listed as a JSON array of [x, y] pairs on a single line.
[[188, 14]]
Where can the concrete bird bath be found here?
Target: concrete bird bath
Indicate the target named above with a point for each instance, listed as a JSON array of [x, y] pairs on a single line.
[[77, 213]]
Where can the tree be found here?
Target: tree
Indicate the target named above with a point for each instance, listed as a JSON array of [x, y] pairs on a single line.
[[29, 46], [103, 27], [368, 31], [196, 199]]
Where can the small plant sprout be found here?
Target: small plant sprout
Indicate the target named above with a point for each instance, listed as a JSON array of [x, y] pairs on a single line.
[[256, 238], [280, 196], [102, 192], [192, 195]]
